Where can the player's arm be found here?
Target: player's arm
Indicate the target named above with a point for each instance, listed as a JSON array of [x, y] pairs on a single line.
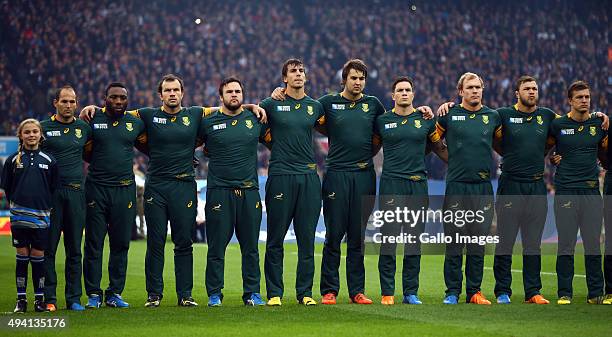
[[320, 124], [7, 177], [88, 150], [142, 143], [254, 108], [265, 137], [605, 120], [497, 141], [602, 152], [444, 108], [55, 181], [437, 145]]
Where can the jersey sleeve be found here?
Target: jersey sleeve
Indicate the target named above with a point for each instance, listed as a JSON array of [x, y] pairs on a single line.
[[380, 108], [7, 176], [432, 133], [441, 125]]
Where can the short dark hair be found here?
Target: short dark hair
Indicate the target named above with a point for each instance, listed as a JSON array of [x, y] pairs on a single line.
[[114, 85], [291, 62], [169, 78], [523, 79], [576, 86], [402, 79], [356, 64], [58, 92], [227, 81]]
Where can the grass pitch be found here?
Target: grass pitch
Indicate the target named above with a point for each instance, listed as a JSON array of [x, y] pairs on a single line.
[[233, 319]]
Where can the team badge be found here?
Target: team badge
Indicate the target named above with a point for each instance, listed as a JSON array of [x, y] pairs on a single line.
[[249, 123], [115, 123], [592, 130], [129, 126], [66, 130], [365, 107], [310, 110], [485, 119], [297, 106], [78, 133], [417, 124], [539, 120], [186, 121], [234, 122]]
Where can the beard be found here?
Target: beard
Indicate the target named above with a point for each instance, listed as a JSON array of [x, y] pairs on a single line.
[[232, 106], [528, 103]]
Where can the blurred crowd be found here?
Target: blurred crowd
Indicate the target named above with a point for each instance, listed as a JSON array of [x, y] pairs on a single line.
[[48, 43]]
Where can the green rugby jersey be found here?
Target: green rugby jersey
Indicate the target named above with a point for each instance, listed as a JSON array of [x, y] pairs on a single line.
[[66, 142], [231, 144], [523, 141], [290, 124], [112, 150], [469, 137], [171, 139], [350, 128], [577, 143], [404, 139]]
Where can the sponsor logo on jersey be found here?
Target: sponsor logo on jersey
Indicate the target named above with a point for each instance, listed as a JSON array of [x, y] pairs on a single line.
[[472, 116], [332, 195], [487, 207], [54, 133], [567, 131], [78, 133], [508, 205], [66, 130], [365, 107], [220, 126], [310, 110], [129, 126], [483, 175], [173, 119], [485, 119], [43, 166], [567, 205], [390, 202], [580, 128], [455, 205], [257, 204], [311, 166], [404, 121], [415, 178], [91, 204], [115, 123], [283, 108], [100, 126], [279, 196], [160, 120], [539, 120], [591, 183], [592, 130], [390, 126], [249, 123], [130, 204], [297, 106], [362, 165], [516, 120], [417, 124], [338, 106], [234, 122], [149, 200], [190, 203], [458, 118], [216, 208], [186, 120]]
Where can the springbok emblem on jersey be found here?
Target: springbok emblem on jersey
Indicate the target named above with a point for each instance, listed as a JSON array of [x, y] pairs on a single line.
[[310, 110], [249, 123], [365, 107], [129, 126], [485, 119], [592, 130], [186, 121], [539, 120], [78, 133], [417, 124]]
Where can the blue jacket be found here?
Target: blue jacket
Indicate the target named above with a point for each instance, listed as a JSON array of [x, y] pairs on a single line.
[[28, 186]]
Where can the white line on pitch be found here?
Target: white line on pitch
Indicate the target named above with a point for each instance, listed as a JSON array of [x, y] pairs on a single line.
[[542, 272]]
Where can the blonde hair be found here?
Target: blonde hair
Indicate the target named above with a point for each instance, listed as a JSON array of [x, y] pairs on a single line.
[[20, 129], [468, 76]]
